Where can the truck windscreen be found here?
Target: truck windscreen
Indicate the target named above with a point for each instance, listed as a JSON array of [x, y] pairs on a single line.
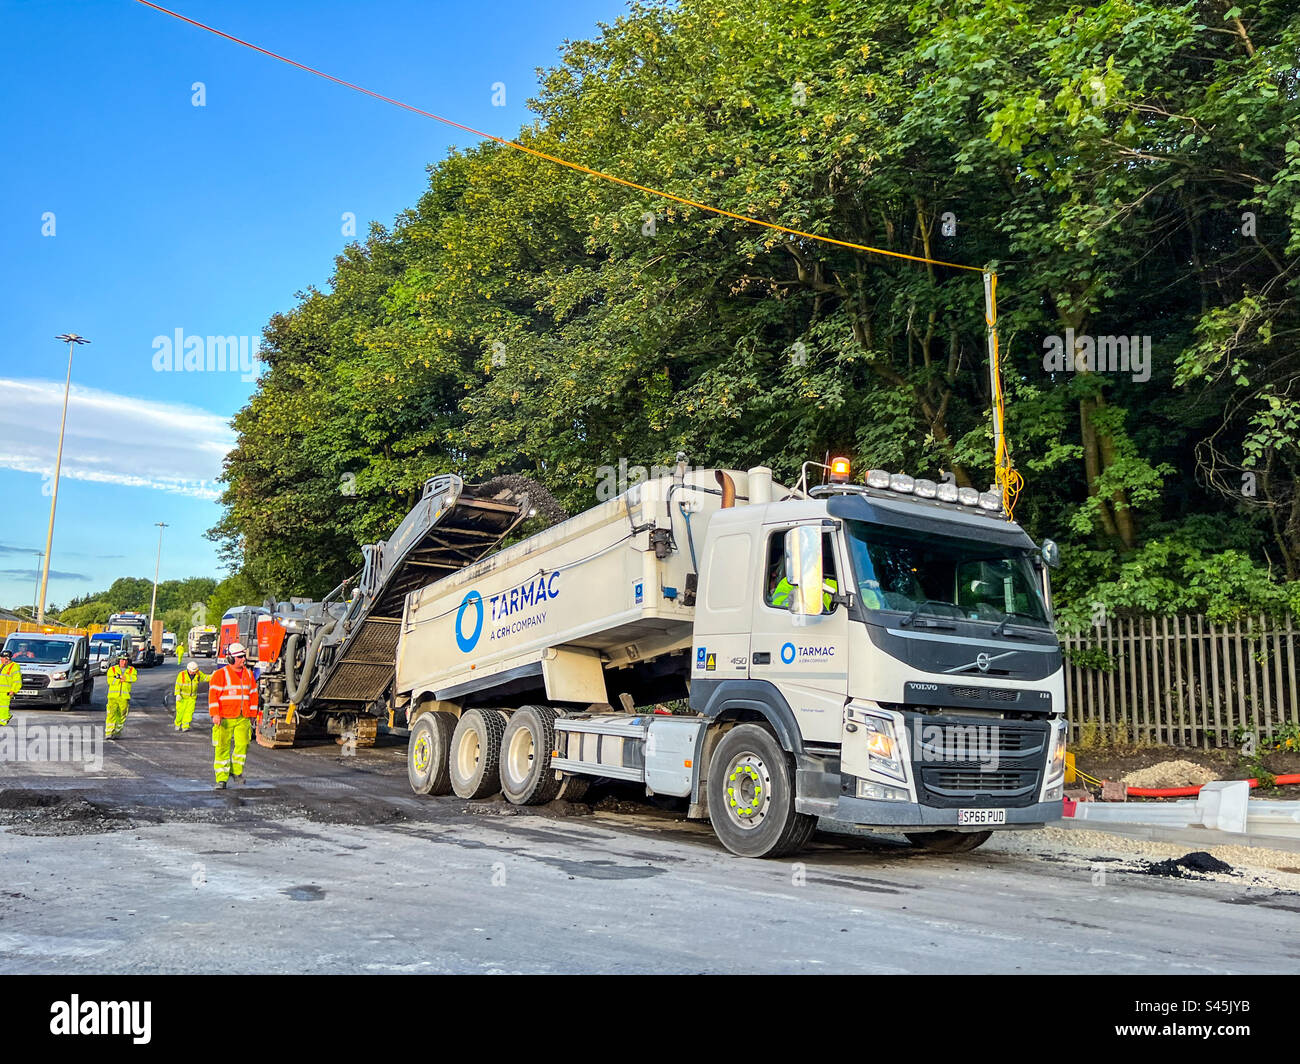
[[939, 576]]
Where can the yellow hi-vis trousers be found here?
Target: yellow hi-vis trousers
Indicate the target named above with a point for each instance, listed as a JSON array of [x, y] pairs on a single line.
[[4, 707], [184, 713], [225, 731], [115, 721]]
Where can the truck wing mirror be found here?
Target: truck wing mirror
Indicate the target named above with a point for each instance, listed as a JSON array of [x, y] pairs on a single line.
[[1051, 553], [803, 569]]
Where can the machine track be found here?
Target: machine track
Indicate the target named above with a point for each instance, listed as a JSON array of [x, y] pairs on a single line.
[[274, 731]]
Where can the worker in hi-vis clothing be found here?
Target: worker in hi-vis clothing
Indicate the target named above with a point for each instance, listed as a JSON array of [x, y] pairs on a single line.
[[232, 705], [186, 691], [120, 678], [11, 680]]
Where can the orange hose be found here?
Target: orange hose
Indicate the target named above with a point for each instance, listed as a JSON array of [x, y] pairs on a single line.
[[1192, 792]]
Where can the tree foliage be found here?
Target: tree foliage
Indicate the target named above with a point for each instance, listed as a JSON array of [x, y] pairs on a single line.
[[1130, 169], [133, 594]]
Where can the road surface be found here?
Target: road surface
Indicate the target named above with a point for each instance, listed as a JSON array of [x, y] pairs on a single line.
[[328, 863]]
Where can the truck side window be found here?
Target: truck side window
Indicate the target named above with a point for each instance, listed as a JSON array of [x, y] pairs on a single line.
[[778, 590]]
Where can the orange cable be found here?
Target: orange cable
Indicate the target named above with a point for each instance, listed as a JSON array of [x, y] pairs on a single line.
[[555, 158]]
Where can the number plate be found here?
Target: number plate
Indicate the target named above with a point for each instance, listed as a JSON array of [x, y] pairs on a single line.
[[981, 816], [24, 693]]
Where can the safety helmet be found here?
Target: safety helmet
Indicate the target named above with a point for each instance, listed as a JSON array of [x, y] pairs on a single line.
[[192, 666], [235, 649]]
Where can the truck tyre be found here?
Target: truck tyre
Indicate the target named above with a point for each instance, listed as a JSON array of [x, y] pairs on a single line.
[[526, 745], [751, 796], [428, 752], [949, 841], [476, 753], [87, 692]]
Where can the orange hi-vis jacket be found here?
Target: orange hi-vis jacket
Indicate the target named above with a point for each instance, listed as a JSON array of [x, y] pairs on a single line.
[[232, 694]]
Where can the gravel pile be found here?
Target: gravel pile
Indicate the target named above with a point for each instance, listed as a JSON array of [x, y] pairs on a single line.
[[1171, 774]]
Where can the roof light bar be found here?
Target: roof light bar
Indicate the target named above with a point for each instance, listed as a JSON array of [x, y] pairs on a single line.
[[943, 491]]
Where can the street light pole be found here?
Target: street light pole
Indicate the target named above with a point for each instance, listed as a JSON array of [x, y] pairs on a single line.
[[72, 340], [157, 563], [37, 589]]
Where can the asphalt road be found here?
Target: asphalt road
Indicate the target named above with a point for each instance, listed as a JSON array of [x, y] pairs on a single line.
[[328, 863]]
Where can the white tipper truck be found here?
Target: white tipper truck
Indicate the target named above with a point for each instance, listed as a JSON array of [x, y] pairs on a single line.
[[879, 654]]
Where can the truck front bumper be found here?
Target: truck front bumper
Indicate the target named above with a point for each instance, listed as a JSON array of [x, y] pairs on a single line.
[[909, 816]]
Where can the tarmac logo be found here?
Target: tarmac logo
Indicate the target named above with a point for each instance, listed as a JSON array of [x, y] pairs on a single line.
[[468, 643], [77, 1017]]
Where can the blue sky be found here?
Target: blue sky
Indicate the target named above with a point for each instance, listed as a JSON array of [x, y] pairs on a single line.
[[168, 216]]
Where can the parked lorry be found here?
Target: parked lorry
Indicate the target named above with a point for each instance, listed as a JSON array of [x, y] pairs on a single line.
[[136, 625], [201, 641], [877, 654]]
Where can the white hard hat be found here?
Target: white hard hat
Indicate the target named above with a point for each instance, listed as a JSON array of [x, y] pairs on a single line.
[[236, 648], [192, 666]]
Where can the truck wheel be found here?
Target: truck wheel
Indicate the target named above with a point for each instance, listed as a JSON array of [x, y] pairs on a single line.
[[476, 753], [949, 841], [428, 752], [751, 796], [87, 692], [526, 745]]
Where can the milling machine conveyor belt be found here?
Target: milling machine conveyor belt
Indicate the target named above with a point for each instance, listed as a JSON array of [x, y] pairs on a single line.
[[451, 527]]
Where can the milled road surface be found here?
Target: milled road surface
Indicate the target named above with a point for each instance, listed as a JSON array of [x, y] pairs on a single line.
[[328, 863]]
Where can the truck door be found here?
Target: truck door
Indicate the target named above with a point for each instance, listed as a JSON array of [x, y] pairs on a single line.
[[805, 657]]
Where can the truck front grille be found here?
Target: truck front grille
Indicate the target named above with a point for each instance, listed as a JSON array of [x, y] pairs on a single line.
[[977, 761], [36, 680], [959, 783]]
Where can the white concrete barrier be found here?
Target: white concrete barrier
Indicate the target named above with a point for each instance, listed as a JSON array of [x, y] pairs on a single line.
[[1224, 806]]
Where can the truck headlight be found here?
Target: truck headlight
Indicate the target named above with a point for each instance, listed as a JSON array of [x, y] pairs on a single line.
[[1056, 763], [882, 747], [59, 676]]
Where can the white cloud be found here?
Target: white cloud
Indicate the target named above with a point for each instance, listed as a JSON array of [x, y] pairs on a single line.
[[113, 439]]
